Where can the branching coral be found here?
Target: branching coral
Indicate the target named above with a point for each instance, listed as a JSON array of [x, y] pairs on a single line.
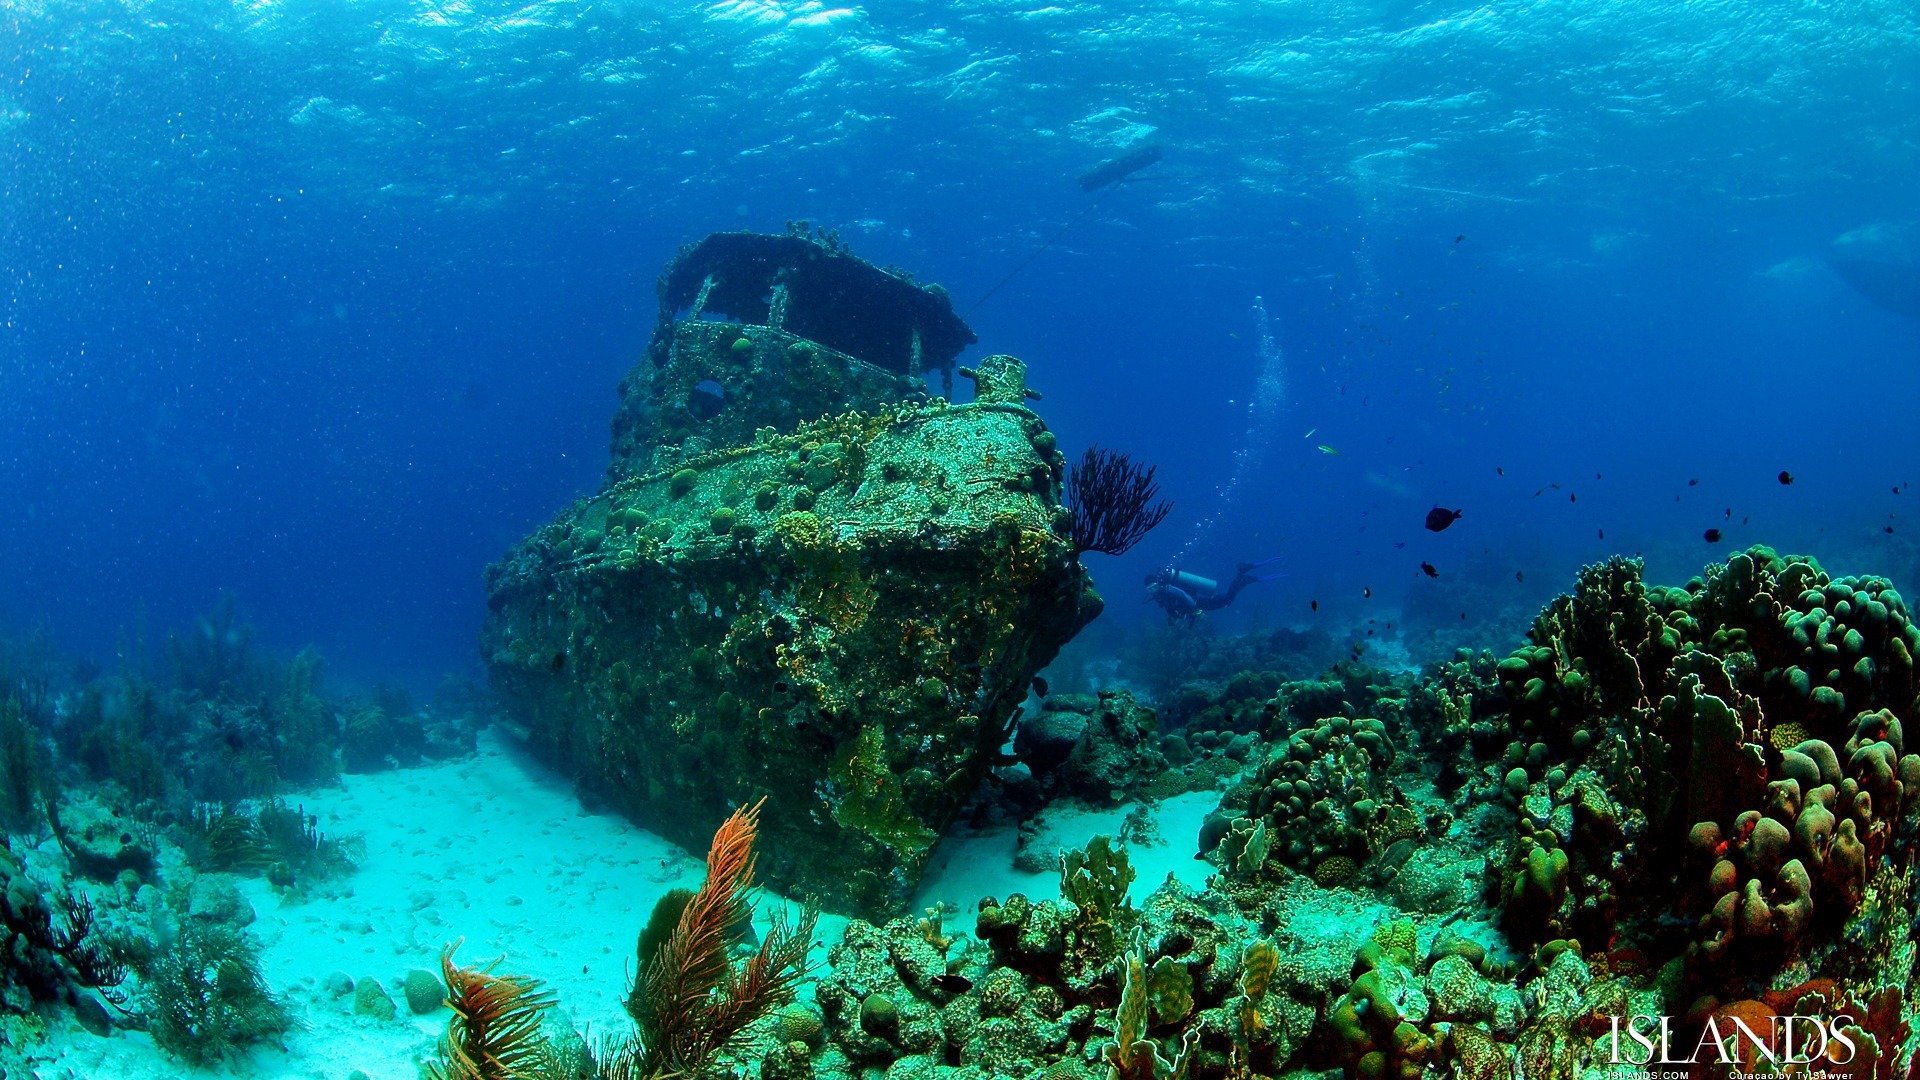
[[205, 998], [1112, 499], [47, 947]]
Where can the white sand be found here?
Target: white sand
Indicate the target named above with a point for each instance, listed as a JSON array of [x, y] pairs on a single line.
[[495, 849]]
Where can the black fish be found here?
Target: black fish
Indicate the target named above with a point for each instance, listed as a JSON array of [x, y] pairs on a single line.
[[1693, 483], [952, 984], [1459, 238], [1786, 477], [1602, 532], [1888, 528], [1366, 593], [1712, 536], [1439, 518], [1573, 496], [1500, 470], [1427, 569], [1519, 575], [1314, 604]]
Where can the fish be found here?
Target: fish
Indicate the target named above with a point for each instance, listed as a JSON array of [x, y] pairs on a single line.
[[1519, 575], [1712, 536], [1314, 604], [1499, 470], [1325, 449], [1366, 593], [1888, 529], [1602, 532], [1786, 477], [1695, 482], [951, 983], [1427, 569], [1879, 260], [1573, 496], [1439, 518], [1460, 238], [1114, 170], [1040, 686]]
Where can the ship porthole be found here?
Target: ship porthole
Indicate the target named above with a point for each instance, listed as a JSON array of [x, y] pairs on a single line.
[[706, 399]]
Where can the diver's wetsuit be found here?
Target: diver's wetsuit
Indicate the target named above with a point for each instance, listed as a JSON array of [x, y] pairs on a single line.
[[1183, 595]]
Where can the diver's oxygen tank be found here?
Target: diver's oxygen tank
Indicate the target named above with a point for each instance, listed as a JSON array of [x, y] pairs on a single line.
[[1194, 584]]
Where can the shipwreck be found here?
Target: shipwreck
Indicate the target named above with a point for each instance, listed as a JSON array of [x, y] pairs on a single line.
[[808, 577]]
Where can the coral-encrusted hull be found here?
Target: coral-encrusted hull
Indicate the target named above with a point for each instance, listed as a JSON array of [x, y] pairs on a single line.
[[843, 620]]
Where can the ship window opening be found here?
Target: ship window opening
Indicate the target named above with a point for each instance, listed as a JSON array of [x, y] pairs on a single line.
[[706, 399]]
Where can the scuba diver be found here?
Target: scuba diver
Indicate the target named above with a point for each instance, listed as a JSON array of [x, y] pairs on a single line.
[[1184, 595]]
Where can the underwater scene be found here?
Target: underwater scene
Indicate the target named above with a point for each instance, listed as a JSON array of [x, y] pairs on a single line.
[[767, 540]]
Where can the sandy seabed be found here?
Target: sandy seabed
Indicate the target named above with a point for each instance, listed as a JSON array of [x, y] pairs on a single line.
[[494, 850]]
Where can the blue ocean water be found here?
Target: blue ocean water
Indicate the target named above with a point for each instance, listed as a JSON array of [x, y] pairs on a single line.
[[322, 306]]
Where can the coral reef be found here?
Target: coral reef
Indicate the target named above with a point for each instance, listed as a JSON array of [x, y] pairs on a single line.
[[1322, 803], [1693, 803], [120, 910], [51, 947]]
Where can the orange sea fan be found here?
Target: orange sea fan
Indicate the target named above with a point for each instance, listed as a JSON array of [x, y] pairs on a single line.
[[689, 1000], [495, 1030]]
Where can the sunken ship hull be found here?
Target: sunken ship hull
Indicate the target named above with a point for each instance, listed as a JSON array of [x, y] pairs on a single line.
[[805, 580]]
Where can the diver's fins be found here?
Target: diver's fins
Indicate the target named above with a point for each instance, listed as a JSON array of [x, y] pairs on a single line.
[[1246, 570]]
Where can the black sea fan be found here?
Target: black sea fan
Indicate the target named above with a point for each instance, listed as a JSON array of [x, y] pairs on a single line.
[[1112, 500]]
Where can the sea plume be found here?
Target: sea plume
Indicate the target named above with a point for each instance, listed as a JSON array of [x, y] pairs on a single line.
[[689, 1000], [1112, 500], [495, 1030]]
